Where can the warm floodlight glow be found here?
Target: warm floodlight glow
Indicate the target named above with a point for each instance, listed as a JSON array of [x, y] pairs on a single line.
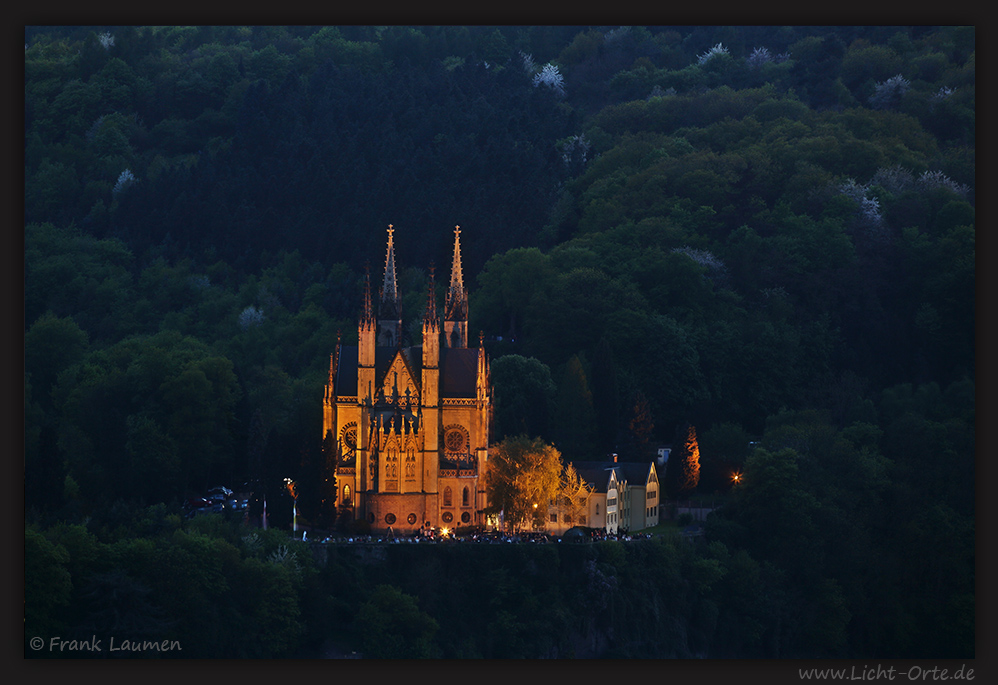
[[736, 477]]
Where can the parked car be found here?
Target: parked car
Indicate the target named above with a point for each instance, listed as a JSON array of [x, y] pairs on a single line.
[[198, 503], [219, 493], [577, 534]]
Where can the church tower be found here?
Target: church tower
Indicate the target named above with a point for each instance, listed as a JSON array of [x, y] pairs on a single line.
[[431, 389], [366, 331], [456, 301]]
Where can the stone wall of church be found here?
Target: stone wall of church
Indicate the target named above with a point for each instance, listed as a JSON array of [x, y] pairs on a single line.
[[405, 513]]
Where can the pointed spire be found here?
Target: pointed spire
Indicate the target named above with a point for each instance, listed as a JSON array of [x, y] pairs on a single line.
[[482, 377], [367, 313], [431, 300], [456, 302], [334, 361], [456, 275], [390, 306]]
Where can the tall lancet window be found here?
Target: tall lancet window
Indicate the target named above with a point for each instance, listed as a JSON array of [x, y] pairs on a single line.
[[392, 466], [410, 460]]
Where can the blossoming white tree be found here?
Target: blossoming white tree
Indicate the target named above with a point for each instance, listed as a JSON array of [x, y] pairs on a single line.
[[550, 77], [889, 93], [251, 316], [125, 179], [715, 51]]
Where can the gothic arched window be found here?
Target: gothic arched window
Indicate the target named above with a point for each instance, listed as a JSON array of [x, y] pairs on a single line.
[[393, 462], [464, 498], [410, 461], [447, 496]]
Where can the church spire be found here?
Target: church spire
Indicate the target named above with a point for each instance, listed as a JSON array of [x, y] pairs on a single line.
[[456, 302], [390, 309], [367, 312], [390, 306], [431, 300]]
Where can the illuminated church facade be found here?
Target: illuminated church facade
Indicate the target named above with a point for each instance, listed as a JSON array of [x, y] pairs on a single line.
[[406, 429]]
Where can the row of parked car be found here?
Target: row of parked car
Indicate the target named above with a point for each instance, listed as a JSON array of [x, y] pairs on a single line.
[[219, 499]]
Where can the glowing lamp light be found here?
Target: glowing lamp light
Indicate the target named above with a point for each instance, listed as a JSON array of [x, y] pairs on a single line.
[[736, 477]]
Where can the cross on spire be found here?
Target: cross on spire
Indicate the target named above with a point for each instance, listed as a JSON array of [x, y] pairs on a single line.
[[390, 306], [456, 304]]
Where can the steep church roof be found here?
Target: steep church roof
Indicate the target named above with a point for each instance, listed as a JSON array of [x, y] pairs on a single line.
[[458, 372], [458, 369]]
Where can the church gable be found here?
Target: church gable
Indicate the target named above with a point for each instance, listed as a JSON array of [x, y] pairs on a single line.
[[399, 384]]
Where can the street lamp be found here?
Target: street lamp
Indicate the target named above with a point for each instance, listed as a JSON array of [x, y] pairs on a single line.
[[294, 506]]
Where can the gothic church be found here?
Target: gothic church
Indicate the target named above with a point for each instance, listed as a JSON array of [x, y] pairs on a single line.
[[407, 428]]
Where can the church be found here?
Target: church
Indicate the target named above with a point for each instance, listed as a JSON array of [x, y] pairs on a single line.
[[407, 428]]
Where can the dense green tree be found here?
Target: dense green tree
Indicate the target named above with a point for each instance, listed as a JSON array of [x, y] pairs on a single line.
[[640, 425], [523, 395], [508, 287], [393, 627], [724, 448], [606, 398], [164, 393], [575, 415], [47, 586]]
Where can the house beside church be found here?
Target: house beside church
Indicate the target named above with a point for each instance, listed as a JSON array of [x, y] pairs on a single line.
[[639, 495], [624, 497], [406, 429]]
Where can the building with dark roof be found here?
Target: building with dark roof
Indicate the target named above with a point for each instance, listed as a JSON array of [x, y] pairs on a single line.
[[407, 428], [623, 496]]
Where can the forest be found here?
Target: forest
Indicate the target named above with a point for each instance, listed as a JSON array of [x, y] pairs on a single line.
[[765, 232]]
